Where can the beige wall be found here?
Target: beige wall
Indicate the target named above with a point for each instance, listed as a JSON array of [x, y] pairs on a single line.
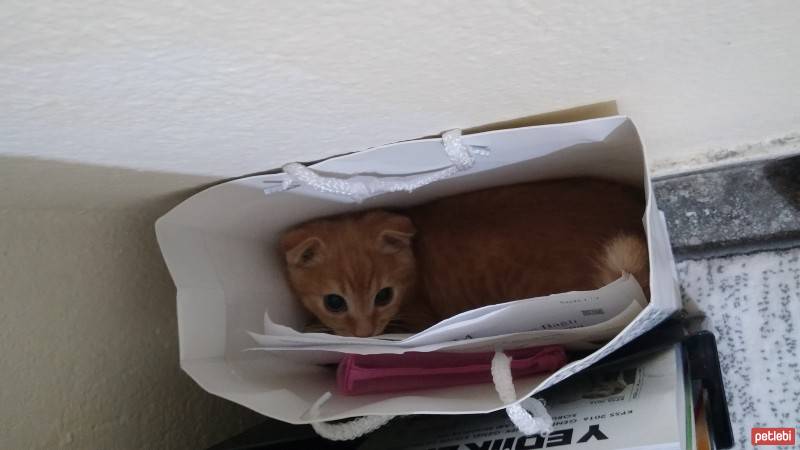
[[88, 333]]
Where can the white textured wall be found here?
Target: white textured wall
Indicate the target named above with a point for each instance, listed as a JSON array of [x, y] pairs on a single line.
[[210, 88], [225, 88]]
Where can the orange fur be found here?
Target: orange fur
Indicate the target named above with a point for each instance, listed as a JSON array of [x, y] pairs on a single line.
[[466, 251], [624, 253]]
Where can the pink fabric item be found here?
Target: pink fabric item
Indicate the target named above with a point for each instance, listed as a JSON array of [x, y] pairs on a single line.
[[374, 374]]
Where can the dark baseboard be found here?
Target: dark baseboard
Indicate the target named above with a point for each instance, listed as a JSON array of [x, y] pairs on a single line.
[[734, 209]]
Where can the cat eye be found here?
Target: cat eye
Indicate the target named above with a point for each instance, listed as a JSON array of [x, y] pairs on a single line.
[[384, 296], [335, 303]]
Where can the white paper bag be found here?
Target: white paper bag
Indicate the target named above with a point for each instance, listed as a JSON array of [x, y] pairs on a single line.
[[220, 246]]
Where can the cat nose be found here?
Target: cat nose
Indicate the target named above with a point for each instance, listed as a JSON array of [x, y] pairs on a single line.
[[364, 329]]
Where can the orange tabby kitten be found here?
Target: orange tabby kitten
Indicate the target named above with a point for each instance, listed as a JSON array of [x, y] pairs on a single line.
[[365, 273]]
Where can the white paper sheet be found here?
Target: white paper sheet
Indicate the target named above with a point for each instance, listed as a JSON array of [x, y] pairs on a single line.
[[579, 336], [533, 318]]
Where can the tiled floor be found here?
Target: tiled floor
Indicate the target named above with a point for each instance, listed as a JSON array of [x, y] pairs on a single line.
[[752, 303]]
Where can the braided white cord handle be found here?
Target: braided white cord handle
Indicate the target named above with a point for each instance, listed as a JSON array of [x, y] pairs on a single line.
[[360, 187], [345, 431], [529, 416], [539, 422]]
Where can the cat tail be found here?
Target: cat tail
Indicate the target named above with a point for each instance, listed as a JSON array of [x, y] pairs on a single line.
[[626, 253]]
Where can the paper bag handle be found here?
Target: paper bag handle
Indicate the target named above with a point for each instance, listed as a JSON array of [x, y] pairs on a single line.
[[346, 431], [360, 187], [529, 416]]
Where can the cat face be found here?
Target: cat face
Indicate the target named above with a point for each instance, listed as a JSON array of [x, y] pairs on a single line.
[[352, 272]]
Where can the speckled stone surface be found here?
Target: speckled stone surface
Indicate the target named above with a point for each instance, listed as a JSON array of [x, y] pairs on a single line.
[[727, 210], [722, 222], [752, 304]]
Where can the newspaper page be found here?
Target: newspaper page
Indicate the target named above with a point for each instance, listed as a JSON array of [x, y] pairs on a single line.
[[636, 405]]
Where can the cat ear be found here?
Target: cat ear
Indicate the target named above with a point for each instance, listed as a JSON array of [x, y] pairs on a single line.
[[302, 251], [396, 235]]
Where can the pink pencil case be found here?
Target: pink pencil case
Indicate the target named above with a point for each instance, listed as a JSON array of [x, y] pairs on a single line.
[[374, 374]]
